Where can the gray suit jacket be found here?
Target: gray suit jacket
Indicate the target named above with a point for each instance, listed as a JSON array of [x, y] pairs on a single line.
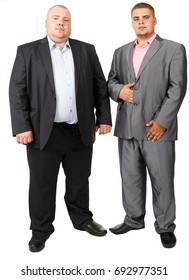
[[158, 91]]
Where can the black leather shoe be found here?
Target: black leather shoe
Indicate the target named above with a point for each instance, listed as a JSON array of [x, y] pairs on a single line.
[[37, 242], [168, 239], [95, 229], [121, 228]]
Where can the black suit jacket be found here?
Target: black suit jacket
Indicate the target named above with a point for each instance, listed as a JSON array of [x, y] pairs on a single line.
[[32, 91]]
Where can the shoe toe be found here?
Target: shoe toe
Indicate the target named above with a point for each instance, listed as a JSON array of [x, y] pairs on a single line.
[[96, 229], [168, 239], [37, 243]]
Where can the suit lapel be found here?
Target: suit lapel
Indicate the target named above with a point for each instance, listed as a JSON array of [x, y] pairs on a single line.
[[75, 46], [46, 57], [155, 46], [129, 58]]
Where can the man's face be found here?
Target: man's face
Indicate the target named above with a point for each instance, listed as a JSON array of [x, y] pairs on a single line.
[[58, 24], [143, 22]]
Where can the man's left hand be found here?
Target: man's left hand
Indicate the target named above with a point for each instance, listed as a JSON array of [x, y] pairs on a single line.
[[103, 128], [156, 131]]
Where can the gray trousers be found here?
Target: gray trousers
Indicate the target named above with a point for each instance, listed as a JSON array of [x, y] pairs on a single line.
[[136, 157]]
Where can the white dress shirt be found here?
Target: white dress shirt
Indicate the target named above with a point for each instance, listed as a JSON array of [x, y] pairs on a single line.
[[64, 79]]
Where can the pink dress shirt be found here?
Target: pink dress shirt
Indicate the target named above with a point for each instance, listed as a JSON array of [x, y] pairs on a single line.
[[139, 53]]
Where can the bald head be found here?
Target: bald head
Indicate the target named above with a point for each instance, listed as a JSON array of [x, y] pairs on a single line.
[[58, 24], [57, 6]]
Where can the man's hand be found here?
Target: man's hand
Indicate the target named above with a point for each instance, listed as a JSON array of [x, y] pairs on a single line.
[[156, 131], [103, 128], [24, 138], [126, 93]]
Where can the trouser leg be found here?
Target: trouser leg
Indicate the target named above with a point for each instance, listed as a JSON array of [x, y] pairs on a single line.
[[44, 167], [133, 174], [77, 167], [76, 161], [160, 160]]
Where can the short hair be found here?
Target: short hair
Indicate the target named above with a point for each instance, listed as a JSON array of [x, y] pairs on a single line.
[[143, 5], [60, 6]]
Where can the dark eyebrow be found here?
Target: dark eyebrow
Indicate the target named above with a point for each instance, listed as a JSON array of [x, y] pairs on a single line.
[[135, 17]]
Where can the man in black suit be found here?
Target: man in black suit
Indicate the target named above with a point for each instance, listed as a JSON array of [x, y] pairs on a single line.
[[56, 85]]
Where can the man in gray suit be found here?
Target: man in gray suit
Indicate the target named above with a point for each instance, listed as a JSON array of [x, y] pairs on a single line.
[[148, 79]]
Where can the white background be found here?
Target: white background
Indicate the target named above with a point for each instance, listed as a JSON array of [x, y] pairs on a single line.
[[107, 25]]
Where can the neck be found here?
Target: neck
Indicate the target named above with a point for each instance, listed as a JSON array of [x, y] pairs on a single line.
[[142, 40], [60, 42]]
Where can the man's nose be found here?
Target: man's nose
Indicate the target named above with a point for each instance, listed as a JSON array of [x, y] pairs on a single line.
[[141, 20]]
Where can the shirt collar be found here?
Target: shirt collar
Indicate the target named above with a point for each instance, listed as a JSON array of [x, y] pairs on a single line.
[[52, 44], [147, 43]]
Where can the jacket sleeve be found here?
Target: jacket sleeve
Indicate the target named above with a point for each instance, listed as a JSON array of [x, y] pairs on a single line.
[[101, 97], [114, 85], [19, 102], [176, 90]]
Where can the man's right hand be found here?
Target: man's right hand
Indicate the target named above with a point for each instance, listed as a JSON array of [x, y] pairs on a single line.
[[24, 137], [126, 93]]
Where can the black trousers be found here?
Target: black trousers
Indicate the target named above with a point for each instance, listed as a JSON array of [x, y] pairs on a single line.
[[63, 147]]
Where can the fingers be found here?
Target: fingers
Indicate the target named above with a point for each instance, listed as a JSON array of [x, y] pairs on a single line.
[[156, 131], [126, 93], [154, 135], [150, 123], [24, 138], [130, 99], [130, 85], [104, 129]]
